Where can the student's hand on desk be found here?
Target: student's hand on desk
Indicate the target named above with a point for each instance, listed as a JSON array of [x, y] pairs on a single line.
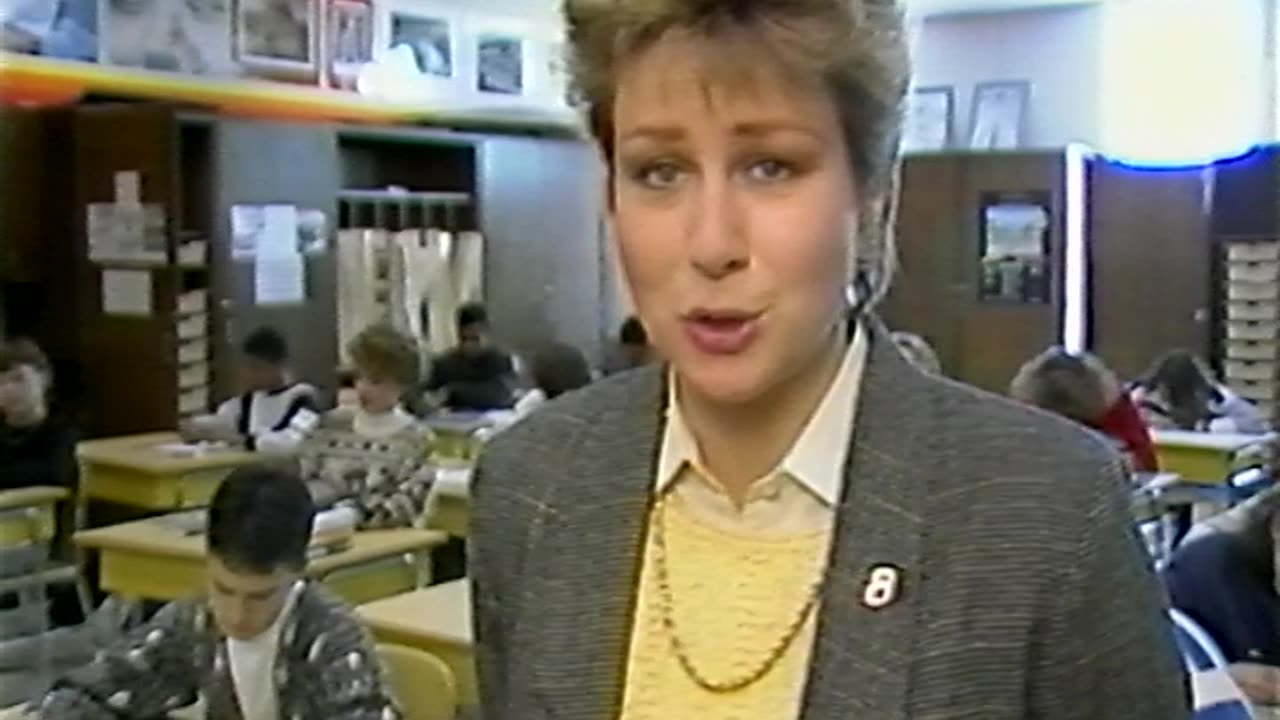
[[1260, 683]]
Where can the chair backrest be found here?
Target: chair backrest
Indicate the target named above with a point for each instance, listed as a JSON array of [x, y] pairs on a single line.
[[1199, 651], [421, 681]]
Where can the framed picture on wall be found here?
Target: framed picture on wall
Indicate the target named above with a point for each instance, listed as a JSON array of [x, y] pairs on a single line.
[[503, 50], [930, 118], [279, 38], [348, 41], [191, 37], [999, 112], [429, 30]]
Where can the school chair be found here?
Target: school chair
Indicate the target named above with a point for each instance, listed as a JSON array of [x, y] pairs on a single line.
[[422, 682], [1216, 696]]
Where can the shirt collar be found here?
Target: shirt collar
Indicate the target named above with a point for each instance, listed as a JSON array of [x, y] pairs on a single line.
[[816, 460]]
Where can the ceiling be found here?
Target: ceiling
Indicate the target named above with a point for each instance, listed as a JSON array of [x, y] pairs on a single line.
[[949, 7]]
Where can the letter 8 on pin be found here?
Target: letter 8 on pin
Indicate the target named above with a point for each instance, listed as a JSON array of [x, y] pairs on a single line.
[[883, 586]]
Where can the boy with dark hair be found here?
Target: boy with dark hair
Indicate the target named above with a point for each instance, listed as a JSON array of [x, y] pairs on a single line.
[[265, 645], [475, 375], [35, 447], [274, 412]]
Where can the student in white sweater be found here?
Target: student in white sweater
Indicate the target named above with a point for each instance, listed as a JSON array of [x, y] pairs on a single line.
[[273, 414], [373, 458]]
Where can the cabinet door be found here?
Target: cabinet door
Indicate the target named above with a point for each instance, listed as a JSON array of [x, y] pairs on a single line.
[[981, 337], [1150, 258], [540, 211], [129, 368], [256, 163]]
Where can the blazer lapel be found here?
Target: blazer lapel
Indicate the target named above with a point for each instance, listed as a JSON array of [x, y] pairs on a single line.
[[591, 554], [860, 664]]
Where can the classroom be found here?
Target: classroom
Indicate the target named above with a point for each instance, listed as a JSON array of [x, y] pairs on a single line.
[[639, 359]]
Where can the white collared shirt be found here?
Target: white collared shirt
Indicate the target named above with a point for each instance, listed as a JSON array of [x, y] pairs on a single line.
[[801, 494], [253, 666]]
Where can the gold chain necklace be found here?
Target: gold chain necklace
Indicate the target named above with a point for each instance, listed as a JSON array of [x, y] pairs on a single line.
[[666, 603]]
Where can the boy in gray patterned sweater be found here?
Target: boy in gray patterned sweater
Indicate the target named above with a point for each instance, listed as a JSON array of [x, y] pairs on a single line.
[[264, 645]]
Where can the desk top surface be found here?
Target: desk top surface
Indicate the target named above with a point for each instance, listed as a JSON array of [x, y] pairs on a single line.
[[142, 453], [32, 497], [1219, 442], [440, 612], [155, 538]]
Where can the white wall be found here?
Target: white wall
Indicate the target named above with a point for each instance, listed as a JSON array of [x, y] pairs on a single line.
[[1057, 50]]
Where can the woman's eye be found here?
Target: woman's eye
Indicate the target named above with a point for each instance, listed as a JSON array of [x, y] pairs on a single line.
[[769, 171], [659, 176]]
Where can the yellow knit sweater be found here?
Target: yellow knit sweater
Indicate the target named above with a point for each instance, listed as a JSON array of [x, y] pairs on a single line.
[[734, 597]]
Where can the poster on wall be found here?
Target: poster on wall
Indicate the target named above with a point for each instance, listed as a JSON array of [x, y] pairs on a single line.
[[348, 33], [1014, 249], [429, 38], [66, 29], [278, 37], [928, 119], [500, 65], [193, 36], [999, 110]]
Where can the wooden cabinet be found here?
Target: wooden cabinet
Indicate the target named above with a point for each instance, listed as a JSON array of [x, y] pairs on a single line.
[[981, 337]]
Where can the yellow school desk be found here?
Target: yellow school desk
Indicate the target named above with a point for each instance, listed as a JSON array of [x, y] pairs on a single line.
[[29, 514], [133, 471], [1202, 457], [153, 561], [449, 508], [436, 620]]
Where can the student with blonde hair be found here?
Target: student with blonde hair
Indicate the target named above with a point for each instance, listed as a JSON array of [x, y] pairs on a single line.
[[373, 458], [1081, 387], [786, 520]]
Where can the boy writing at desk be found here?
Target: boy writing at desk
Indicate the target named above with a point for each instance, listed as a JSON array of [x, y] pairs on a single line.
[[265, 645]]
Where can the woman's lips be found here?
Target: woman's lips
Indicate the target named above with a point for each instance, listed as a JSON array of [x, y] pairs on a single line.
[[721, 333]]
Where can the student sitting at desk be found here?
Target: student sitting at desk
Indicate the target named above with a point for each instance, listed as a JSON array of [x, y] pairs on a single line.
[[373, 457], [1226, 576], [1178, 394], [273, 414], [557, 369], [35, 448], [1084, 389], [266, 644], [476, 375]]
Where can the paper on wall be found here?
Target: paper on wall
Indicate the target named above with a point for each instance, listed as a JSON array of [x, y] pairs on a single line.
[[279, 279], [126, 292], [279, 230], [128, 187]]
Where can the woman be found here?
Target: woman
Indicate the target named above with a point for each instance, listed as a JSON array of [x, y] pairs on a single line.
[[1226, 576], [1082, 388], [1177, 393], [788, 520], [373, 458]]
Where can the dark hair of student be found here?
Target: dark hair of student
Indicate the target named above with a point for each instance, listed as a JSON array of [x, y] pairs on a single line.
[[471, 315], [19, 352], [260, 520], [632, 332], [266, 344], [1177, 376], [559, 368]]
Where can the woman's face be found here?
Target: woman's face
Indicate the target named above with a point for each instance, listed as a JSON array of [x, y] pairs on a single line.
[[734, 211]]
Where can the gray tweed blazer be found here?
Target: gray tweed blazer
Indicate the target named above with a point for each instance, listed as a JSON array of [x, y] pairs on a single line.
[[1026, 592]]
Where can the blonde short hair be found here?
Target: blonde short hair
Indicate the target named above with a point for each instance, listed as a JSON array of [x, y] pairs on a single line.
[[857, 48], [380, 352]]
